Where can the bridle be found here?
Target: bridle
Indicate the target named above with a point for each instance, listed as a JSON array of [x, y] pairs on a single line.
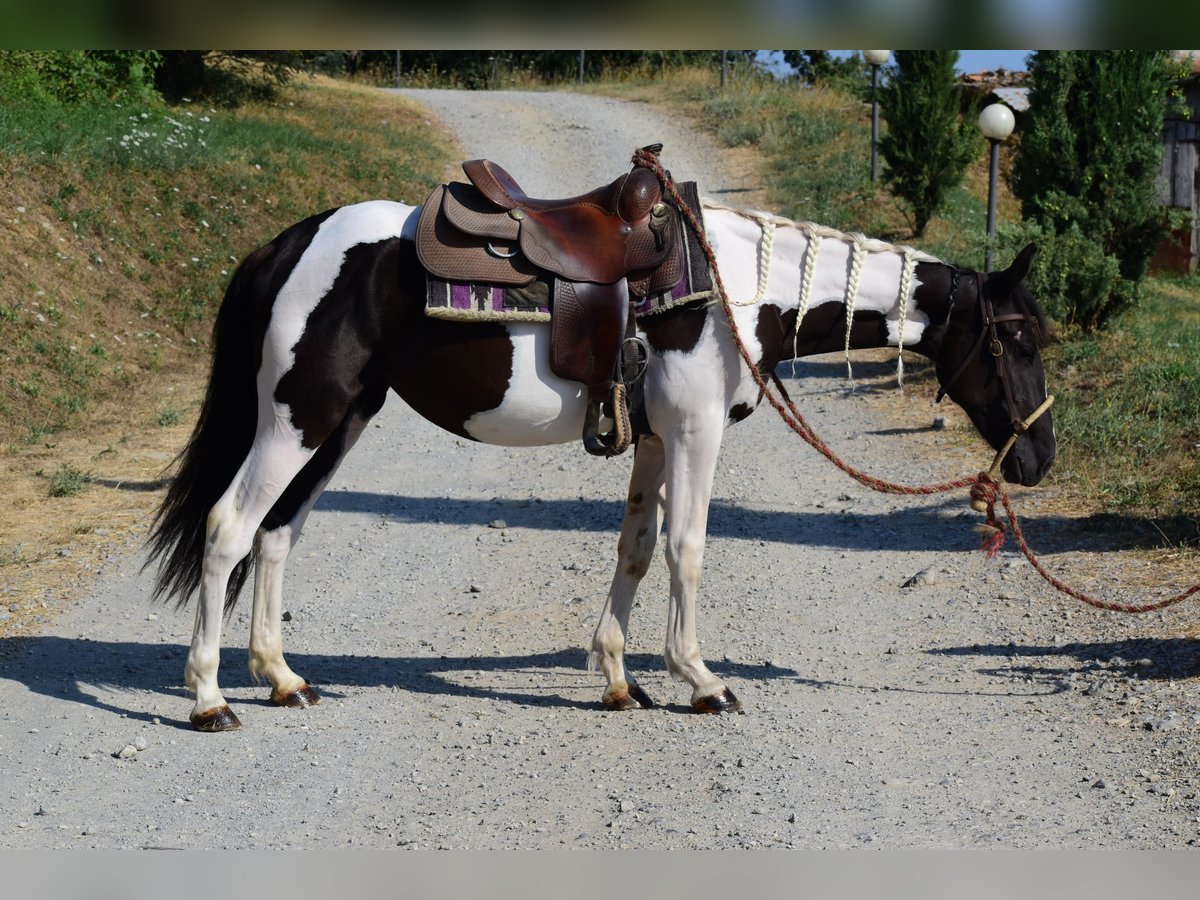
[[989, 333]]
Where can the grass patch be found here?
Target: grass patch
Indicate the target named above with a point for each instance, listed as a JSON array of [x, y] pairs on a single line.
[[67, 481], [1126, 417]]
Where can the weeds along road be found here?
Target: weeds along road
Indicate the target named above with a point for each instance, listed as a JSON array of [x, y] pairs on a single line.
[[443, 593]]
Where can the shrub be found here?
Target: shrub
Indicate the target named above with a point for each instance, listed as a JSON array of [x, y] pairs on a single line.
[[53, 77], [1085, 173]]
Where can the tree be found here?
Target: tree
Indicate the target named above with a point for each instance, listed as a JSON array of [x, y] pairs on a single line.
[[927, 145], [227, 76], [1085, 172], [822, 67]]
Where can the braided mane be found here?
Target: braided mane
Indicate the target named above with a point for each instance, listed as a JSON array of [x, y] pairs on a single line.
[[860, 247]]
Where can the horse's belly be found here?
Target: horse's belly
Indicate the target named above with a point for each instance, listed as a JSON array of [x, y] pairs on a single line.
[[538, 407]]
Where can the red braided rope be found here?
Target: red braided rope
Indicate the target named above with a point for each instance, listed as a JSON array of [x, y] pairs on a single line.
[[985, 490]]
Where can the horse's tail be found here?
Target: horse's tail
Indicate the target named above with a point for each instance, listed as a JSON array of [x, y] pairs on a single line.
[[220, 442]]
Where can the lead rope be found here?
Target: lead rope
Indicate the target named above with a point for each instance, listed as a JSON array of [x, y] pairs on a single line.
[[985, 487]]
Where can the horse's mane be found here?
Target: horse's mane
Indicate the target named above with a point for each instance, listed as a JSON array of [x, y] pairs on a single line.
[[813, 229]]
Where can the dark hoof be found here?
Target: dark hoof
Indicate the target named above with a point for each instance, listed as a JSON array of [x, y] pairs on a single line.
[[301, 698], [633, 697], [220, 718], [721, 702]]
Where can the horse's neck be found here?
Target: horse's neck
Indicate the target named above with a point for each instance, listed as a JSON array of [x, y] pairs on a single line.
[[816, 275]]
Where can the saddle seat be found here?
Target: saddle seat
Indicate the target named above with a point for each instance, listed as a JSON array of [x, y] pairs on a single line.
[[590, 237], [597, 248]]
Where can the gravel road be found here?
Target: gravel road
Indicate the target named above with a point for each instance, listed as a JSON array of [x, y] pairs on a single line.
[[443, 593]]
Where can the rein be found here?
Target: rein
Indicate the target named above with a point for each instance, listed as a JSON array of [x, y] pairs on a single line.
[[986, 488]]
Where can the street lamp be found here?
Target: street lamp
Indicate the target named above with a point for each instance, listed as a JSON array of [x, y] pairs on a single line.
[[875, 59], [996, 122]]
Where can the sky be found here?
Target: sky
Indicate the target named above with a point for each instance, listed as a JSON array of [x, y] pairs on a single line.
[[978, 60]]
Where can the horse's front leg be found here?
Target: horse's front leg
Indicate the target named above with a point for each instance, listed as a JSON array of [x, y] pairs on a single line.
[[635, 549], [691, 463]]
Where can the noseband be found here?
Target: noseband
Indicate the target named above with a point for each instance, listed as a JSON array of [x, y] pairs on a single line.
[[988, 332]]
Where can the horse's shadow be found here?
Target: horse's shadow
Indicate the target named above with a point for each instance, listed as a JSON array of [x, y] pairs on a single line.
[[929, 527], [98, 673], [1169, 659]]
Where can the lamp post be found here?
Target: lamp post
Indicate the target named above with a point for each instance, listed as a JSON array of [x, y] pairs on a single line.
[[996, 122], [875, 59]]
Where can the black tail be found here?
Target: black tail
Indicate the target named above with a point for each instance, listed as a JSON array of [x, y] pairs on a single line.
[[220, 442]]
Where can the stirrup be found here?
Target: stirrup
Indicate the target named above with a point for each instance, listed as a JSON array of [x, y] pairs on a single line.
[[615, 442]]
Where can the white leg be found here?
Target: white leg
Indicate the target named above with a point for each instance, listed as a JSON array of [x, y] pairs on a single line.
[[274, 460], [266, 637], [639, 534], [691, 461]]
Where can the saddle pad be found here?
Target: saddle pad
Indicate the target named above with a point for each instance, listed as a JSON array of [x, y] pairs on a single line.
[[471, 302]]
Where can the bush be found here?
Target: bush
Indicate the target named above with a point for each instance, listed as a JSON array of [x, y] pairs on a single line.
[[65, 77], [1085, 173], [1078, 285]]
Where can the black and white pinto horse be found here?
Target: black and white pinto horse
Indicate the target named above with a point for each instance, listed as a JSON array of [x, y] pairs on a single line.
[[317, 325]]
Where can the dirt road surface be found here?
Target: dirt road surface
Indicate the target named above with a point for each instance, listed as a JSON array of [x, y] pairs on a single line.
[[443, 593]]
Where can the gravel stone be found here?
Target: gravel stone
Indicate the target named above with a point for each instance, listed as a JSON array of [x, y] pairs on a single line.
[[923, 578]]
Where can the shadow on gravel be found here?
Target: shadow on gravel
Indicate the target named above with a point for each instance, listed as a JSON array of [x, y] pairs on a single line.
[[1158, 659], [106, 674], [945, 525]]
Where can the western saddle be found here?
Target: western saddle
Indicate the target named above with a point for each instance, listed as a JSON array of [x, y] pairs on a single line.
[[595, 249]]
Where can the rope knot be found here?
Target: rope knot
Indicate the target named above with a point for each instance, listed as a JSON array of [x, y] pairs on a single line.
[[983, 499]]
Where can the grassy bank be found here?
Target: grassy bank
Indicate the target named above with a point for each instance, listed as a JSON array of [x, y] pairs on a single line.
[[123, 225], [119, 228], [1126, 416]]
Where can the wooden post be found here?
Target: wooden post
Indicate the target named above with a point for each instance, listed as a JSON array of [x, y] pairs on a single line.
[[397, 68], [581, 67]]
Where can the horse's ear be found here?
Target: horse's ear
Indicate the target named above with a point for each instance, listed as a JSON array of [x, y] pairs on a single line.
[[1015, 273], [1020, 266]]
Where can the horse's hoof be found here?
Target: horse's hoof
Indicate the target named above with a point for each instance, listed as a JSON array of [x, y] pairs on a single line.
[[720, 702], [632, 697], [301, 698], [219, 718]]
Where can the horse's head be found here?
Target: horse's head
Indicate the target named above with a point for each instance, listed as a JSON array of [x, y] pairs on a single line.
[[989, 362]]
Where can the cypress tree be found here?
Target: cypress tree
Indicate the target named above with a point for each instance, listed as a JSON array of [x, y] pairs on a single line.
[[1085, 173], [927, 146]]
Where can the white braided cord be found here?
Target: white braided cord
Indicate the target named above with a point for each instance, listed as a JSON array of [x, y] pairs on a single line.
[[906, 274], [858, 253], [806, 279]]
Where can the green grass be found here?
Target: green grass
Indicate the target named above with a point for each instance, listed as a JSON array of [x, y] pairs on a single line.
[[67, 481], [1128, 409]]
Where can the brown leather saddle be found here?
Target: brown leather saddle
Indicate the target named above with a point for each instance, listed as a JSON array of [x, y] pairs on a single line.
[[595, 250]]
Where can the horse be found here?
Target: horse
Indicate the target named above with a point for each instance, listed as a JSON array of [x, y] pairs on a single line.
[[318, 324]]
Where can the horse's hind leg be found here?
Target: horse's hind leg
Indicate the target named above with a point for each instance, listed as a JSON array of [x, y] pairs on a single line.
[[278, 534], [639, 534], [275, 458]]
